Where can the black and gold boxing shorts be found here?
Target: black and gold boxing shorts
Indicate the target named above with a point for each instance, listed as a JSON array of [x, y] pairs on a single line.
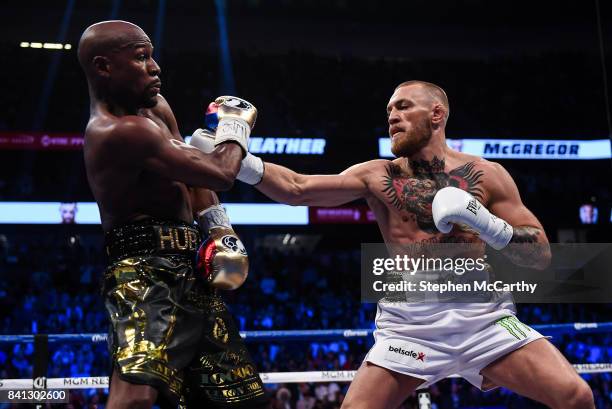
[[169, 329]]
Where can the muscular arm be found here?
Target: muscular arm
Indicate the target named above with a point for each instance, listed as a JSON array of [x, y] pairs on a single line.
[[286, 186], [529, 245], [201, 198], [165, 112], [139, 140]]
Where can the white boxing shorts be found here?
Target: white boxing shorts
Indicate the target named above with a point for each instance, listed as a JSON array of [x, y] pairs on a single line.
[[432, 341]]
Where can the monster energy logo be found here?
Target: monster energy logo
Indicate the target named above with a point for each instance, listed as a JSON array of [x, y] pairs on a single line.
[[516, 328]]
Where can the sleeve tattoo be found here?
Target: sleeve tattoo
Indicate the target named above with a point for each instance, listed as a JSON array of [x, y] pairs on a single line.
[[527, 247]]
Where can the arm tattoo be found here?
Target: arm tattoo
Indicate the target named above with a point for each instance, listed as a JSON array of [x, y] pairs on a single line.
[[525, 234], [526, 249]]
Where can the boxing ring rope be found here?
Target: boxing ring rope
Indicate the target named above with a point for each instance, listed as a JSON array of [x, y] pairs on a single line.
[[316, 334], [288, 335], [99, 382]]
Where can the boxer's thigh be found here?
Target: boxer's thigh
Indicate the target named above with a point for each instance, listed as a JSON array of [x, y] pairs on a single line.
[[540, 372], [375, 387], [125, 395], [154, 326]]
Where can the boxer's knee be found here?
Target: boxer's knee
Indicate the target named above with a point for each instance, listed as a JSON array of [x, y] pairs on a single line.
[[351, 403], [582, 398], [131, 401], [578, 395], [140, 402], [125, 395]]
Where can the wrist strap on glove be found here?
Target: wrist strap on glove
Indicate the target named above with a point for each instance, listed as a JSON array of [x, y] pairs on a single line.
[[212, 218], [251, 170], [233, 129]]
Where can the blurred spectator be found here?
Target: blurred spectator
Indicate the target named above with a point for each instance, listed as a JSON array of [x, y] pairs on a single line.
[[68, 212], [42, 299]]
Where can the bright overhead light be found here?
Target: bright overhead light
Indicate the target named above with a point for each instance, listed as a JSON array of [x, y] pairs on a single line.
[[46, 46], [52, 46]]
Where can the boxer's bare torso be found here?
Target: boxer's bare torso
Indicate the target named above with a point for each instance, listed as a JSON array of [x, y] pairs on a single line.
[[122, 185], [400, 193], [136, 161]]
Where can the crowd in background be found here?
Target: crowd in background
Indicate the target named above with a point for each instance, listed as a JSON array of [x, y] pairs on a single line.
[[50, 282], [51, 285]]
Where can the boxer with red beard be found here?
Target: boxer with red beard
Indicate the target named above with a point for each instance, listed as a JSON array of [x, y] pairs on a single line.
[[433, 194]]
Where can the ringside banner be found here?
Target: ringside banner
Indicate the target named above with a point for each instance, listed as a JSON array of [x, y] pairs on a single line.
[[355, 214], [284, 145], [40, 141], [88, 213], [521, 148], [62, 141], [466, 273]]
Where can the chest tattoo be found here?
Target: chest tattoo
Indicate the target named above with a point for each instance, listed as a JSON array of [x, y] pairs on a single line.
[[414, 193]]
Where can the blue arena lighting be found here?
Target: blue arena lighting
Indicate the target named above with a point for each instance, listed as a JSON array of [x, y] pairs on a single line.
[[159, 30], [43, 102], [570, 328], [227, 72], [114, 10]]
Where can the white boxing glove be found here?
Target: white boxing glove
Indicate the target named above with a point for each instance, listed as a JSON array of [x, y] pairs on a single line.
[[453, 205], [203, 139], [252, 167]]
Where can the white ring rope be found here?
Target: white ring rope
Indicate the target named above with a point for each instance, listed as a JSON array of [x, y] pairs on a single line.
[[268, 377]]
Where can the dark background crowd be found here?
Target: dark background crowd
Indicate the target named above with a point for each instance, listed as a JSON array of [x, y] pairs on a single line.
[[314, 68], [51, 285]]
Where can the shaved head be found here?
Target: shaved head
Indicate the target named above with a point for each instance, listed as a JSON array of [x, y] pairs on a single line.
[[117, 57], [106, 37], [435, 92]]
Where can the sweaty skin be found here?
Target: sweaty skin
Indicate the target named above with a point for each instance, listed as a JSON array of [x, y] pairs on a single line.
[[400, 192], [137, 163]]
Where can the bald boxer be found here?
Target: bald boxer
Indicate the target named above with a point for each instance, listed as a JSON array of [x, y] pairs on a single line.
[[433, 194], [172, 339]]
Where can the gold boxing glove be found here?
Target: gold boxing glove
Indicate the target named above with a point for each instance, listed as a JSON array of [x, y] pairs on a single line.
[[222, 258], [232, 118]]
